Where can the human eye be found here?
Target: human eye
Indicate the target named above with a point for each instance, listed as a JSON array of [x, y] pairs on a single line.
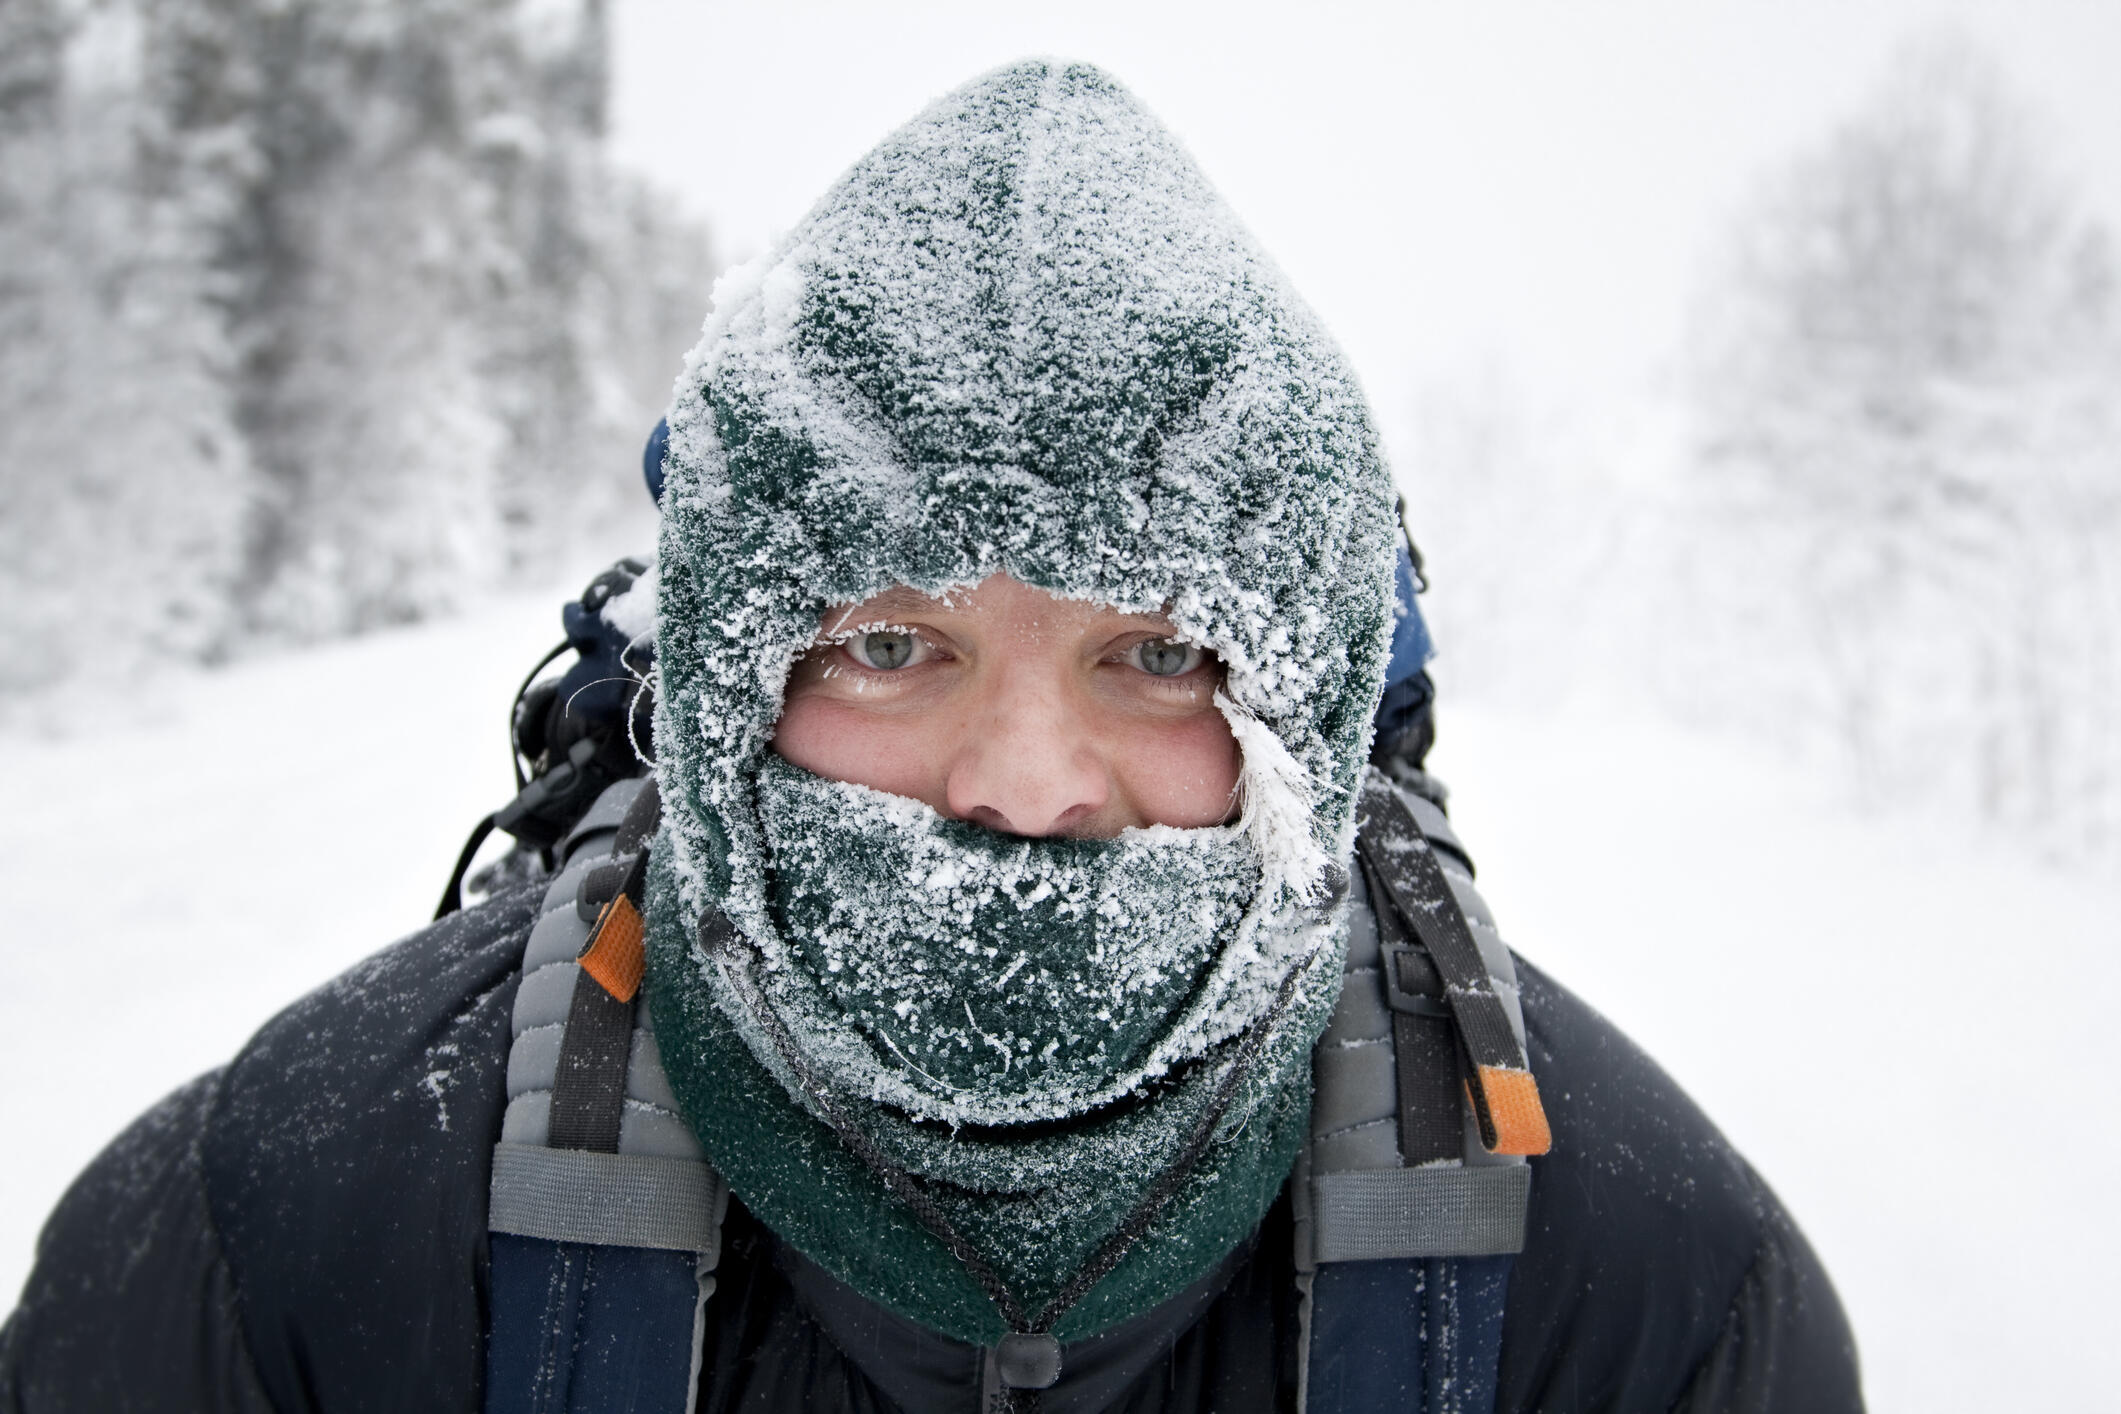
[[1165, 657], [885, 650]]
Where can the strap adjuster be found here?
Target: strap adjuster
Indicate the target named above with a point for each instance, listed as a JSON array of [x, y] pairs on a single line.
[[1505, 1097], [1413, 986], [616, 954]]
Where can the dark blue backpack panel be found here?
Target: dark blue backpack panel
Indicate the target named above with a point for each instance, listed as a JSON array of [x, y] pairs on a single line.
[[582, 1328], [1411, 1337]]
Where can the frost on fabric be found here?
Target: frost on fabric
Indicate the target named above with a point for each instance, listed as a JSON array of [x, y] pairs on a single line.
[[1278, 803], [632, 611], [976, 978], [1021, 336], [1035, 1199], [436, 1084]]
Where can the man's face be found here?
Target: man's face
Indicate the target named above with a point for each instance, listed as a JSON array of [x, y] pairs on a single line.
[[1009, 707]]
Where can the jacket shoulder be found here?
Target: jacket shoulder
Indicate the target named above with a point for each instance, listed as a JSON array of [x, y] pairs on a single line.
[[347, 1163], [1659, 1270], [131, 1304], [305, 1228]]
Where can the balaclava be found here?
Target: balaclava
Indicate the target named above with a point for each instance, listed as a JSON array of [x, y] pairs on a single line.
[[1021, 336]]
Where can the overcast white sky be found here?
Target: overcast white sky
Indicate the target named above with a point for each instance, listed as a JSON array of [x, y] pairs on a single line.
[[1532, 188]]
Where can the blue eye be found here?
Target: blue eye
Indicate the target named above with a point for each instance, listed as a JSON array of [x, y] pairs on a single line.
[[1164, 657], [883, 649]]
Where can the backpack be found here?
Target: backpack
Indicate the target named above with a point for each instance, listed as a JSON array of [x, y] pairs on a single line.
[[605, 1217]]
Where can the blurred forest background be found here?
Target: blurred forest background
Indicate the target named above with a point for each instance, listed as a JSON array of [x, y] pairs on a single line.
[[314, 317], [1884, 537], [317, 317]]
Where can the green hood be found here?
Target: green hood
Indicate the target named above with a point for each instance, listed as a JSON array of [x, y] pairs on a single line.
[[1021, 336]]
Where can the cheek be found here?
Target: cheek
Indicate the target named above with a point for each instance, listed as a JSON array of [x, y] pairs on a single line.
[[1181, 773], [898, 754]]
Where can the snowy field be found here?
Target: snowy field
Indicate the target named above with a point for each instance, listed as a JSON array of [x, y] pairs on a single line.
[[1901, 1024]]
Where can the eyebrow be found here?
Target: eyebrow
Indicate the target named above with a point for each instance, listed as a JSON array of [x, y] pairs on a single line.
[[905, 599], [901, 597]]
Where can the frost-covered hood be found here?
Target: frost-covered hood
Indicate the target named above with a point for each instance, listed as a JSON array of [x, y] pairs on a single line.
[[1022, 335]]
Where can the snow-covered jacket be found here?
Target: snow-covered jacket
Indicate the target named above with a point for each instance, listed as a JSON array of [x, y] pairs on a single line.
[[306, 1229]]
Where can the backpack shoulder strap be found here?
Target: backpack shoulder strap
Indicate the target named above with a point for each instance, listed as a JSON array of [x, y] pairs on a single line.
[[1432, 957], [604, 1217], [1410, 1198]]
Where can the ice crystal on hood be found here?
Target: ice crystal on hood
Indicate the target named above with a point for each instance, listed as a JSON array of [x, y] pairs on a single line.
[[632, 610]]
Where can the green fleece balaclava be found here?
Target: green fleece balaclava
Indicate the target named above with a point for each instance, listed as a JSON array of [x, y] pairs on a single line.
[[1022, 336]]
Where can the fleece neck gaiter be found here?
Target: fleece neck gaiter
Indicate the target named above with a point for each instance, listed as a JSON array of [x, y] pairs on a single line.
[[1033, 1030]]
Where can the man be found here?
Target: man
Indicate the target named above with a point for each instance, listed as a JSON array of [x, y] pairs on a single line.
[[1018, 988]]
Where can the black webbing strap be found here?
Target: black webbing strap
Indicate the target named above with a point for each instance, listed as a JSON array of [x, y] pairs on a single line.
[[453, 896], [589, 1089], [639, 822], [1499, 1079], [1424, 1042]]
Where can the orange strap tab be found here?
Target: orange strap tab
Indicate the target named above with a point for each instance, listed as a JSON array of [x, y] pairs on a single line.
[[617, 953], [1519, 1119]]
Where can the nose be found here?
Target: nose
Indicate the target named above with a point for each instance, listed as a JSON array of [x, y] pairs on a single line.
[[1027, 764]]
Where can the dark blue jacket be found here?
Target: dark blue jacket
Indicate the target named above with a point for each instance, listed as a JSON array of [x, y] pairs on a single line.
[[305, 1229]]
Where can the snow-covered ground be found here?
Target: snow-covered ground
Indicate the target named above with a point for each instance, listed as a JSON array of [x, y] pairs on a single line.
[[1899, 1022], [1902, 1025]]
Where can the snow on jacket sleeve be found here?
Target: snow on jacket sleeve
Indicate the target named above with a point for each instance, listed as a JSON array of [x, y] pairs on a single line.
[[131, 1305], [305, 1229], [1659, 1271]]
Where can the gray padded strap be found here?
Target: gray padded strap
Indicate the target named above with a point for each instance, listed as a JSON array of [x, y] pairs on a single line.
[[1353, 1196], [1377, 1214], [611, 1200], [648, 1121], [606, 814], [1435, 824]]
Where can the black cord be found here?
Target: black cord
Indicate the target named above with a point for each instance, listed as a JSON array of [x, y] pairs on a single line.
[[1406, 534], [453, 896], [515, 757], [1115, 1248], [719, 938]]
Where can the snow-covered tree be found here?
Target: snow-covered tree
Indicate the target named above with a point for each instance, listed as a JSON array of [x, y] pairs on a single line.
[[313, 315], [126, 481], [1906, 398]]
